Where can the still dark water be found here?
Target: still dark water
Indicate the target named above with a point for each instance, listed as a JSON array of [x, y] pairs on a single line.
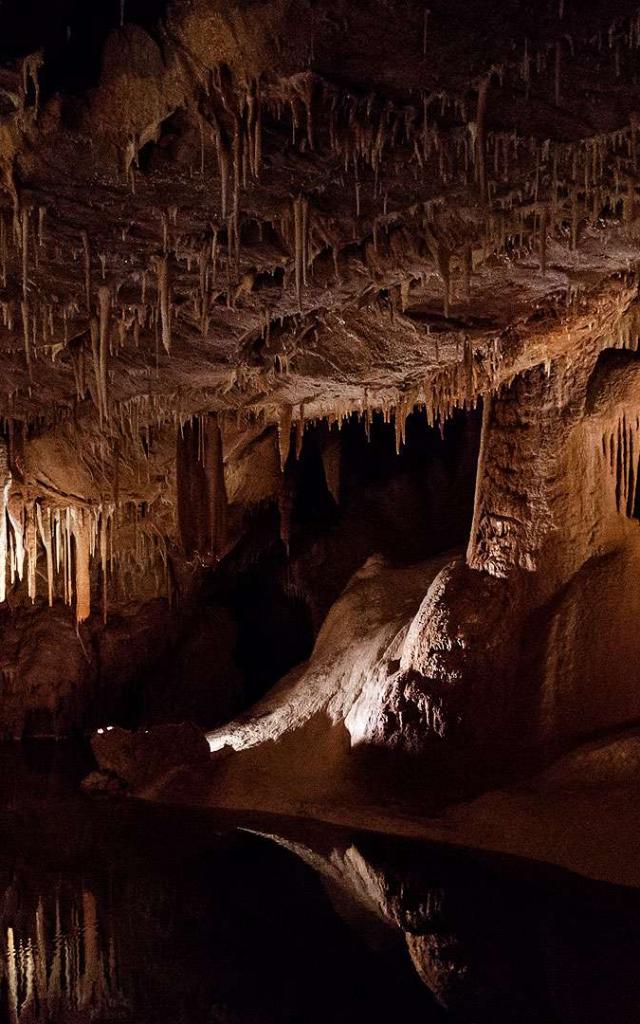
[[117, 912]]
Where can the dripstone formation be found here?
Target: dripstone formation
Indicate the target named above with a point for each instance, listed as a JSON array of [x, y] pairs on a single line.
[[240, 229]]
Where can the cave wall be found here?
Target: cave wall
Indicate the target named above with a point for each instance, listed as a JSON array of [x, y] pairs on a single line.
[[228, 231], [516, 646]]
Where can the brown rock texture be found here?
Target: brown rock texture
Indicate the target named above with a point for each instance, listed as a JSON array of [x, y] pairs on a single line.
[[241, 223]]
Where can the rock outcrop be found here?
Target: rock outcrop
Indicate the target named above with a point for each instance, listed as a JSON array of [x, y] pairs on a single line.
[[238, 226]]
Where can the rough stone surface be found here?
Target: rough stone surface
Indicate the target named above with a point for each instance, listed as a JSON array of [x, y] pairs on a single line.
[[136, 757], [247, 222]]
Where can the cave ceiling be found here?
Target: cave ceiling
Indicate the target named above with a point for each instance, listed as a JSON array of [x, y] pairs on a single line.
[[287, 210]]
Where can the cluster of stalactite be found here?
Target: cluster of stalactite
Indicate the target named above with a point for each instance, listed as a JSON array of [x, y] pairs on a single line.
[[627, 331], [396, 168], [620, 452], [437, 399], [52, 549], [530, 190], [56, 961], [201, 493], [113, 324], [52, 552]]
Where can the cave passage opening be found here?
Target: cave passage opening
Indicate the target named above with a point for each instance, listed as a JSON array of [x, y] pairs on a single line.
[[71, 35], [347, 496]]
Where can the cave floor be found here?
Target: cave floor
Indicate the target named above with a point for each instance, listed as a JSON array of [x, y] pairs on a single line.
[[581, 814]]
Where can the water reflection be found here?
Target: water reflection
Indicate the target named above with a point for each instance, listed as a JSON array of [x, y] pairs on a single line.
[[55, 960], [131, 914], [489, 941]]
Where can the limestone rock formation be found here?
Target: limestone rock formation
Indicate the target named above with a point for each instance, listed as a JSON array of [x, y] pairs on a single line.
[[231, 233]]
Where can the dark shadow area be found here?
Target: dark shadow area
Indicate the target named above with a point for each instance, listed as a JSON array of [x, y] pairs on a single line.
[[254, 615], [71, 34], [117, 910], [346, 497]]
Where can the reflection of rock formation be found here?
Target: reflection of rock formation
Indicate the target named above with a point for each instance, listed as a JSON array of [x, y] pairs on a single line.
[[58, 957], [130, 912], [489, 945]]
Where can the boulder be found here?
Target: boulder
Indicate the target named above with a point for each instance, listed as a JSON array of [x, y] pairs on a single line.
[[139, 757]]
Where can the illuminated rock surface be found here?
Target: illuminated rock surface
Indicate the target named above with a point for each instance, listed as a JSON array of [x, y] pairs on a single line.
[[320, 400]]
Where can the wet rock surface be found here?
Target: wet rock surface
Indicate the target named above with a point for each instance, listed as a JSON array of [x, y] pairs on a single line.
[[237, 240], [118, 909], [146, 754]]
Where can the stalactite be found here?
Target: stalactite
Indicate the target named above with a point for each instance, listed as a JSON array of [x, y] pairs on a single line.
[[44, 528], [104, 560], [467, 270], [285, 510], [425, 29], [16, 518], [223, 169], [3, 251], [481, 116], [30, 75], [164, 301], [5, 487], [284, 434], [236, 162], [24, 306], [557, 68], [26, 334], [331, 457], [299, 432], [544, 217], [104, 306], [31, 546], [82, 536], [254, 130], [214, 471], [42, 213], [257, 134], [301, 244], [87, 269]]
